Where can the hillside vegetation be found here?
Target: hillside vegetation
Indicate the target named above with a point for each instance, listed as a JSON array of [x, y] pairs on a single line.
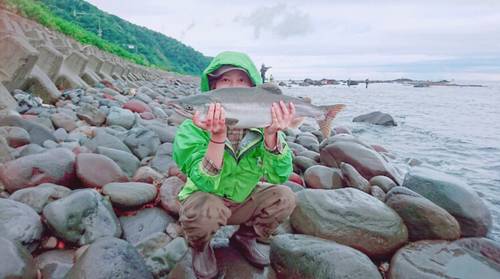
[[151, 48]]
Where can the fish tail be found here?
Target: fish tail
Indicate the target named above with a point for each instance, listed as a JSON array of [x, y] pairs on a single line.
[[331, 111]]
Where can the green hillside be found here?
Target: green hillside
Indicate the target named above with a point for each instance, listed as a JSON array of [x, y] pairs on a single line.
[[150, 48]]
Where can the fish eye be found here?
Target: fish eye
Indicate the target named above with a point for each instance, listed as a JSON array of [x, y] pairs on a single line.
[[189, 107]]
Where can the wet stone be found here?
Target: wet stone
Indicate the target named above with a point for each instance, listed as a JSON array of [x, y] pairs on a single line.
[[82, 217], [130, 194], [302, 256], [147, 221]]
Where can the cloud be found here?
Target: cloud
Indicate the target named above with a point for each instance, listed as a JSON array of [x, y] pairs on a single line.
[[280, 21]]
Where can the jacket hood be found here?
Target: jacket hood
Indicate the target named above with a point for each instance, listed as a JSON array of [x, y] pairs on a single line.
[[237, 59]]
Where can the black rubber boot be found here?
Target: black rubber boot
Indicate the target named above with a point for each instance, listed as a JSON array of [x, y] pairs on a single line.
[[204, 263], [245, 240]]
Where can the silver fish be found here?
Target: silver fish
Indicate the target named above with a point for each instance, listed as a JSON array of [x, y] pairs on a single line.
[[250, 107]]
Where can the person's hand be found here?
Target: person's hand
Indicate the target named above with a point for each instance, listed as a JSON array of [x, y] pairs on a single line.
[[282, 118], [215, 122]]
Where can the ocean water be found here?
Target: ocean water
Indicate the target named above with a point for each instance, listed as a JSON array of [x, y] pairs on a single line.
[[454, 129]]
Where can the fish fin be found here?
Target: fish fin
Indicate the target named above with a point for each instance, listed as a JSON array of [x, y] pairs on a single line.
[[296, 122], [326, 125], [271, 88], [307, 99], [231, 121]]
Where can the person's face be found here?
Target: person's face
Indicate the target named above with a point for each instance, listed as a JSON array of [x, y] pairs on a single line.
[[233, 78]]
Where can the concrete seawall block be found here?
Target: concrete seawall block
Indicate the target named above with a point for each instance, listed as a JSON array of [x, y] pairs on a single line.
[[76, 62], [90, 77], [17, 59], [7, 102], [5, 26], [39, 84], [50, 61]]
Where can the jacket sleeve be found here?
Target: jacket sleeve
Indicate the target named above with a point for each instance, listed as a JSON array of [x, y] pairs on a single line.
[[190, 146], [277, 167]]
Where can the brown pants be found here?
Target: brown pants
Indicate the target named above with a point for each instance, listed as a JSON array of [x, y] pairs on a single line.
[[202, 214]]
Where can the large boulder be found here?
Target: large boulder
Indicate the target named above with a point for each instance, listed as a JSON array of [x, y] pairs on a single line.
[[366, 161], [130, 194], [163, 159], [20, 223], [377, 118], [145, 222], [455, 196], [38, 132], [303, 256], [38, 197], [322, 177], [16, 261], [143, 142], [82, 217], [110, 257], [96, 170], [350, 217], [444, 259], [53, 166], [423, 218]]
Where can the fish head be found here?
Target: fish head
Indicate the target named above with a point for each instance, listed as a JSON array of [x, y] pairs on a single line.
[[188, 106]]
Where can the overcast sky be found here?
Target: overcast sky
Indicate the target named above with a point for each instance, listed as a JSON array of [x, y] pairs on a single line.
[[361, 39]]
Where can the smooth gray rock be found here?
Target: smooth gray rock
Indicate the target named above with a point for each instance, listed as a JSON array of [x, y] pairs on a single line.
[[109, 257], [38, 133], [130, 194], [106, 140], [377, 118], [66, 256], [120, 117], [19, 222], [165, 133], [147, 246], [163, 160], [423, 218], [354, 179], [311, 155], [5, 154], [303, 163], [143, 143], [16, 261], [56, 270], [384, 182], [350, 217], [322, 177], [60, 134], [38, 197], [92, 115], [52, 166], [366, 161], [147, 221], [125, 160], [82, 217], [63, 120], [455, 196], [162, 261], [303, 256], [17, 136], [442, 259]]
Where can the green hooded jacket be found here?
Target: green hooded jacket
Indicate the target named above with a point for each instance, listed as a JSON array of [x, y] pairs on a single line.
[[241, 171]]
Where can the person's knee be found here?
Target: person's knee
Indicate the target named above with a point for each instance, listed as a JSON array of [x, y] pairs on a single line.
[[204, 213], [287, 196]]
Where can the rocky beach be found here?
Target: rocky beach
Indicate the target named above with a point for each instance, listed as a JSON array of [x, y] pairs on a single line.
[[89, 187]]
